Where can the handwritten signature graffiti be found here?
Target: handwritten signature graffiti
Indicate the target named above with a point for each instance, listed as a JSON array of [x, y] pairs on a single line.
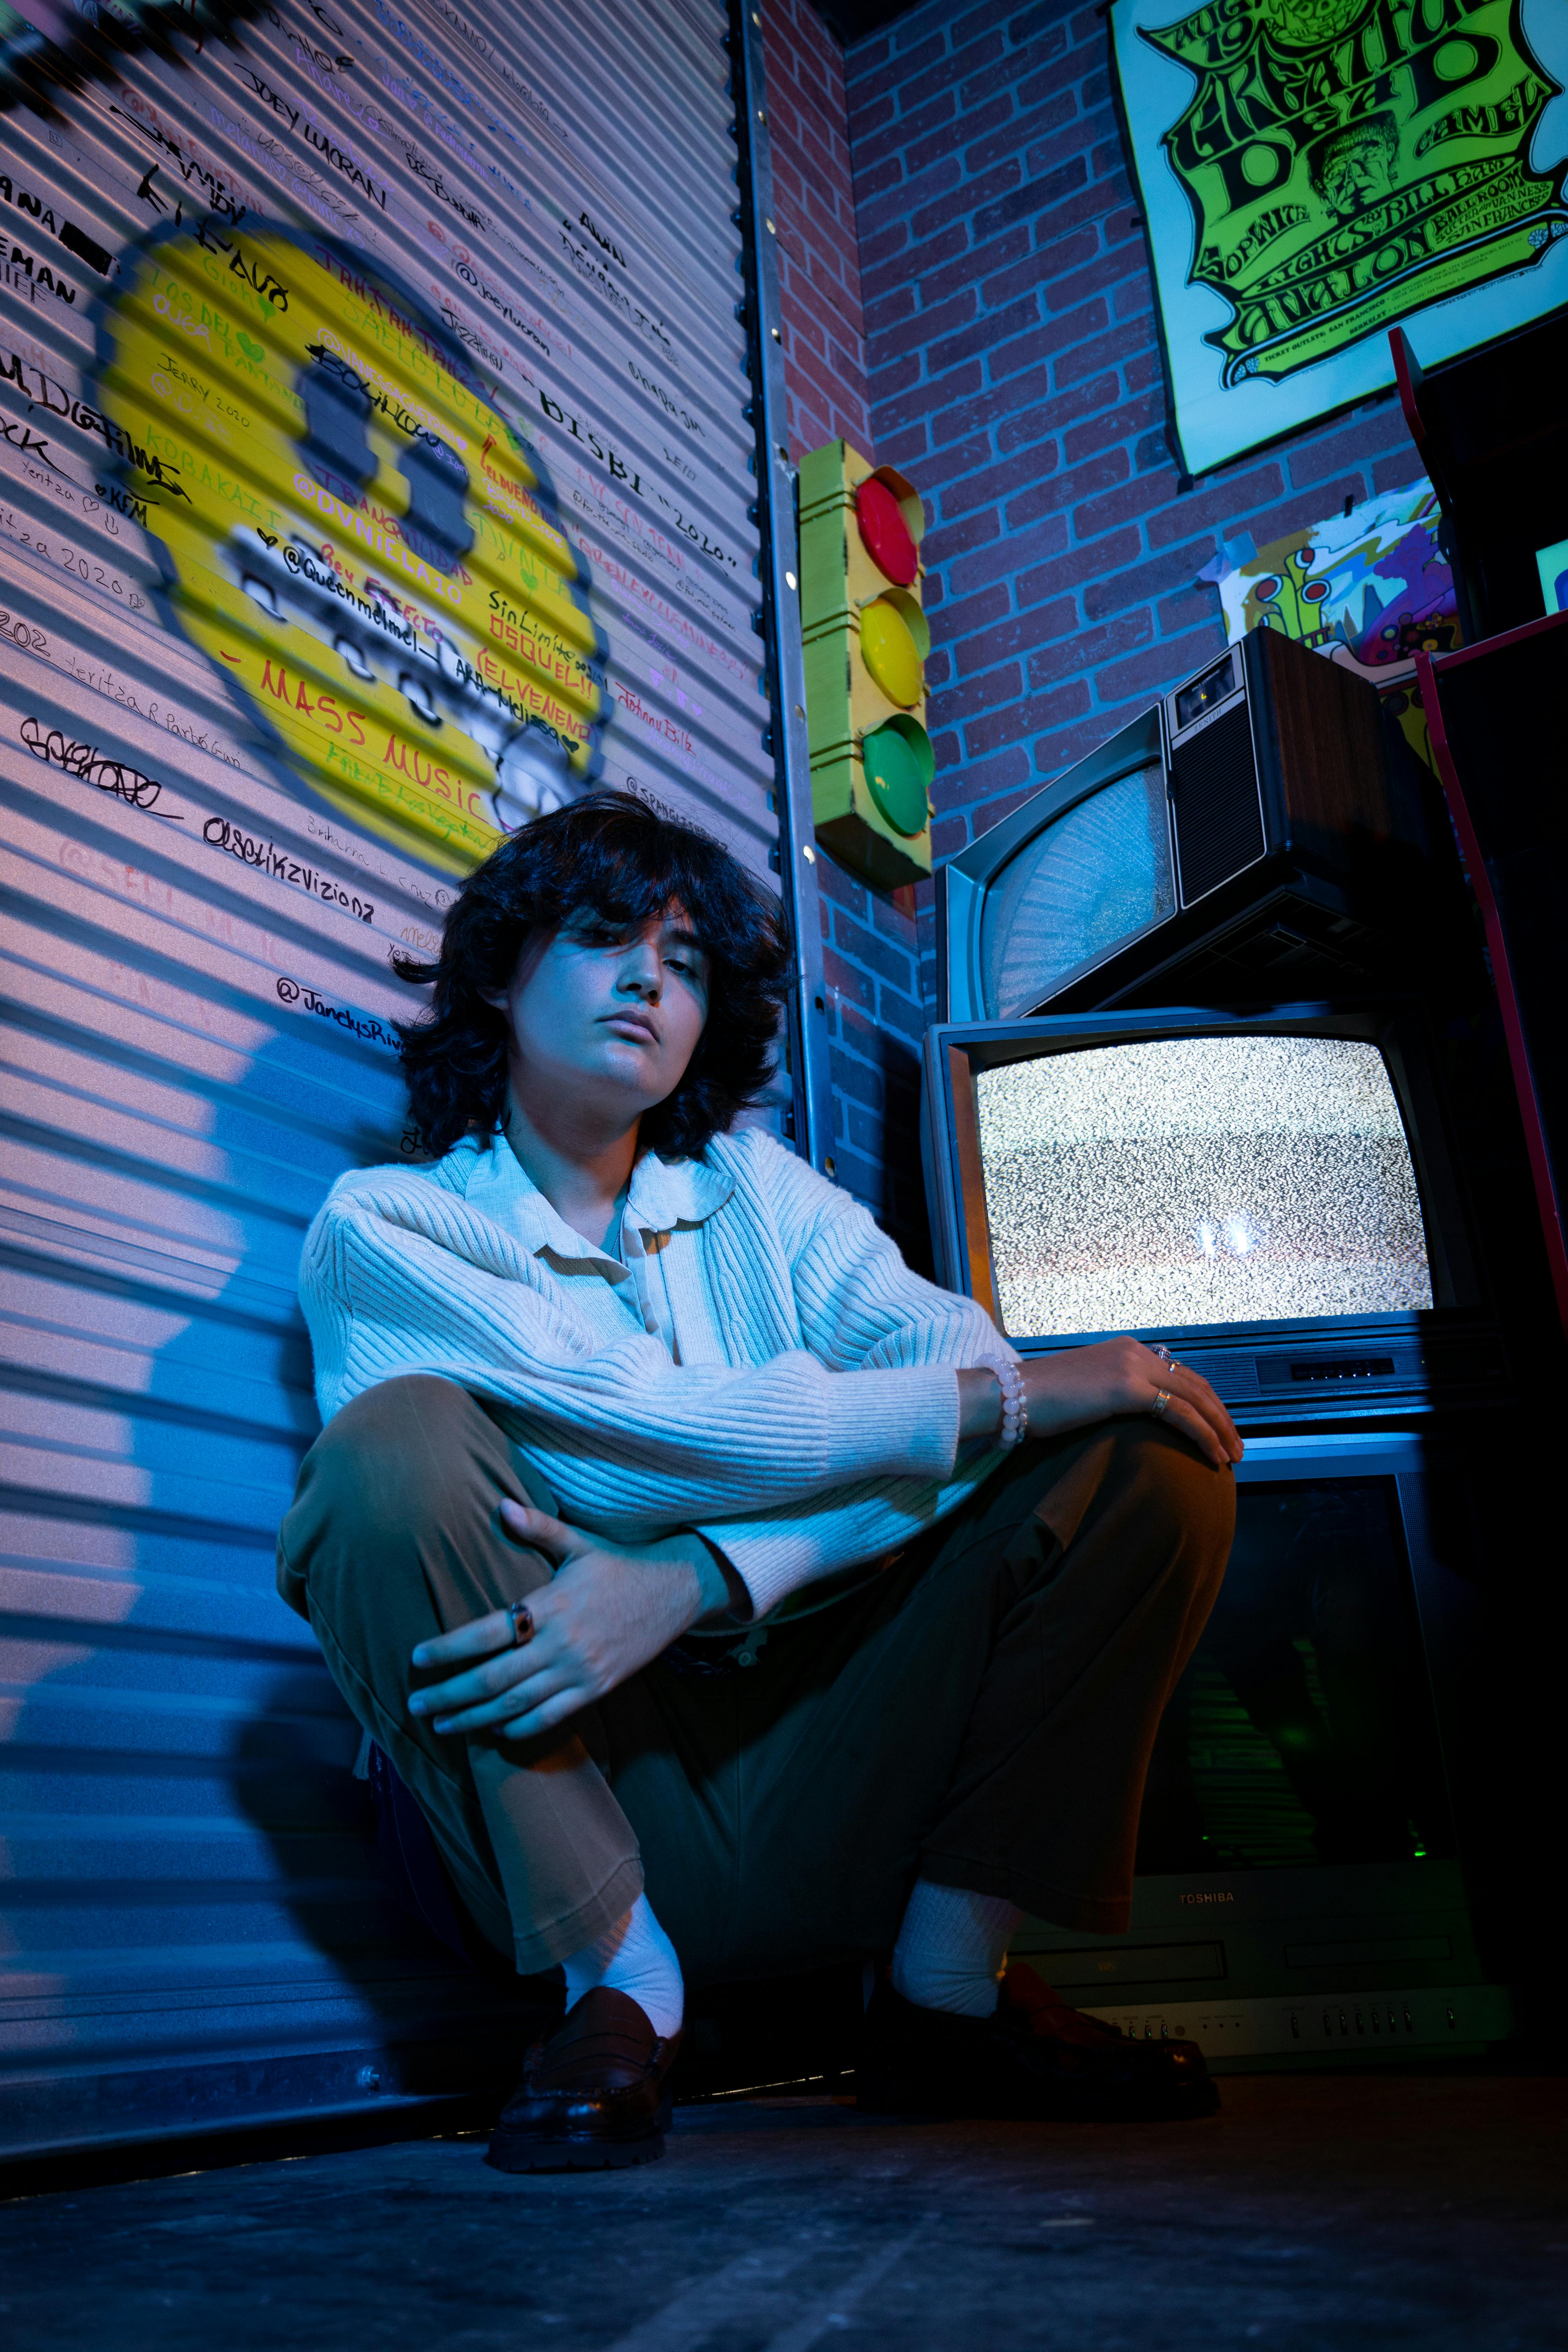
[[265, 857], [99, 769], [363, 1024], [43, 391]]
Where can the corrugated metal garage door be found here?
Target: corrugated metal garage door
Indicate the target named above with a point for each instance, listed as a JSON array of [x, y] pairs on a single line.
[[377, 453]]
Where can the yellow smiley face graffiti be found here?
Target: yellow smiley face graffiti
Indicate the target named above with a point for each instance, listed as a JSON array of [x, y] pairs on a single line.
[[355, 536]]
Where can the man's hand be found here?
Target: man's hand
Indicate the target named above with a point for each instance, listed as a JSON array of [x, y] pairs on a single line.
[[607, 1612], [1114, 1377]]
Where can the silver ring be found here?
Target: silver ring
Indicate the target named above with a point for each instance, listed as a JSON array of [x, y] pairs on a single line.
[[1159, 1349], [521, 1617], [1161, 1400]]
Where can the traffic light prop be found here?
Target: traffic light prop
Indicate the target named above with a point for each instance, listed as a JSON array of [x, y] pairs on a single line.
[[866, 640]]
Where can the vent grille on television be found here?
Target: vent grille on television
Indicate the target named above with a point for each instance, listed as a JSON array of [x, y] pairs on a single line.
[[1213, 799]]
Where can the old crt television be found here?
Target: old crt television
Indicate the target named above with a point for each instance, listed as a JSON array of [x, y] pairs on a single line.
[[1319, 1782], [1272, 1193], [1259, 834]]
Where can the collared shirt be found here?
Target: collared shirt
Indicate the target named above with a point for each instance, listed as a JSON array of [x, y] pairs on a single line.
[[667, 1204]]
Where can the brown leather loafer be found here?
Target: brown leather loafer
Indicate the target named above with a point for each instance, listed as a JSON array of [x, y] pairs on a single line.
[[592, 2096], [1034, 2058]]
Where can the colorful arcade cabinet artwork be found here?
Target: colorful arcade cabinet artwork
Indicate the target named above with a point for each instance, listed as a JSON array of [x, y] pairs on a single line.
[[1370, 590]]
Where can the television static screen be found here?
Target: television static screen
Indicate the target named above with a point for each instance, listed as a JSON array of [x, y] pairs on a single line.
[[1093, 878], [1198, 1180]]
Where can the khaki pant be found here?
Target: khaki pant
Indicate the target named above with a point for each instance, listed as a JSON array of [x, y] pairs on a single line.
[[981, 1713]]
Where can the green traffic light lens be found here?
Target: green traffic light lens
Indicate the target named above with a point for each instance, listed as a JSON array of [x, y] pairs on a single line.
[[899, 765]]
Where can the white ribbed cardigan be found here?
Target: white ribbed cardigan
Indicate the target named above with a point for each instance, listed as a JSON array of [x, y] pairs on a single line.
[[824, 1432]]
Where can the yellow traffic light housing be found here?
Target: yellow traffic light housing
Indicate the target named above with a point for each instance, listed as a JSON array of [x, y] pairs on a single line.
[[865, 640]]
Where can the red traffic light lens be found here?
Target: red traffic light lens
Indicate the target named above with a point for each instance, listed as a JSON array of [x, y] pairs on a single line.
[[885, 533]]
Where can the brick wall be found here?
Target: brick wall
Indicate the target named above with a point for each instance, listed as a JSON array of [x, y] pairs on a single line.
[[1014, 374], [868, 942], [814, 206]]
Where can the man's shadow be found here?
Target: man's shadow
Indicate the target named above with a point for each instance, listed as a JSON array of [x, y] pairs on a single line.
[[297, 1774]]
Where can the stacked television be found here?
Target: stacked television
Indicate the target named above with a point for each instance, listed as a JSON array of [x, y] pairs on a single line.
[[1209, 1071]]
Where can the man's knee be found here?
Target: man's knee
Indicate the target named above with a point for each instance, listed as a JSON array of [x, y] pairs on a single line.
[[1176, 1492], [385, 1464]]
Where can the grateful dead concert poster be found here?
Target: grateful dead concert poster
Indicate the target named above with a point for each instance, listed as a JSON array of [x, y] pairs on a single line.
[[1315, 172]]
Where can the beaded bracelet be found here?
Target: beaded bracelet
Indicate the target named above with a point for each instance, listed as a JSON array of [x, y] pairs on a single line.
[[1015, 1411]]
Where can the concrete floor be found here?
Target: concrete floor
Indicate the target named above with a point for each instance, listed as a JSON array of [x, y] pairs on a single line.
[[1313, 2214]]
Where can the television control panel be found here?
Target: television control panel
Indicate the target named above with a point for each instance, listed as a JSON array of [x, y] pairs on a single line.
[[1310, 1380]]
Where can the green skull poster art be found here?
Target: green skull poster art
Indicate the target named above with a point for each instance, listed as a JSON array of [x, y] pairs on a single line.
[[1315, 172]]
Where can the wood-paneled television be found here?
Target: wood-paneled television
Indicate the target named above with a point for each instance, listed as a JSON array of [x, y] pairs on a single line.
[[1260, 833]]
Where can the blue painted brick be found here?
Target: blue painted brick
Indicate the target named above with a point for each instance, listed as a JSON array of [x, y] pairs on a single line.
[[907, 1015], [1069, 567], [846, 980], [917, 329], [952, 468], [1187, 608], [1142, 494], [986, 334], [994, 406], [958, 703], [1150, 577], [1091, 649], [902, 405], [1035, 196], [954, 259], [984, 779], [856, 1082], [997, 557], [1361, 440], [870, 952], [846, 889], [1010, 476], [1028, 131], [956, 197], [1025, 633], [969, 27], [1027, 717], [1074, 491], [1108, 423], [901, 133], [1221, 502], [1391, 473], [963, 615], [1026, 354]]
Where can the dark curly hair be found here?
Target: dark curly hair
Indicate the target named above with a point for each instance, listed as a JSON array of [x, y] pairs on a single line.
[[611, 856]]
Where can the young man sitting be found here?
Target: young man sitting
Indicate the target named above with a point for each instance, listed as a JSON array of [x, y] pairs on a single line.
[[733, 1601]]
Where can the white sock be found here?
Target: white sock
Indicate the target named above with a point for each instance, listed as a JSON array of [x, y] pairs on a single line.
[[952, 1948], [637, 1957]]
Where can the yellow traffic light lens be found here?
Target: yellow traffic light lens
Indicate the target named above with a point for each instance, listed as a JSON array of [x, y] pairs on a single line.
[[889, 650], [899, 765]]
